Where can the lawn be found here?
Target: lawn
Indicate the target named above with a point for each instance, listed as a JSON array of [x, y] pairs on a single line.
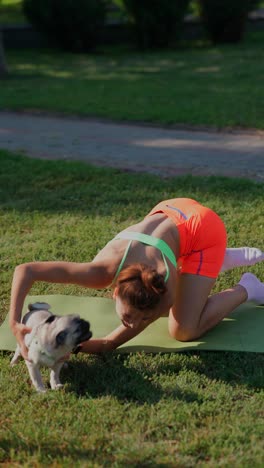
[[165, 410], [138, 410], [11, 12], [196, 84]]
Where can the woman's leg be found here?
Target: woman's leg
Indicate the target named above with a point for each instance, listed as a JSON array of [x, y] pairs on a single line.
[[194, 312], [241, 256]]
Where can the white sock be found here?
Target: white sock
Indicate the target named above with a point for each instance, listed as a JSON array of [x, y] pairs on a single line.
[[242, 256], [254, 288]]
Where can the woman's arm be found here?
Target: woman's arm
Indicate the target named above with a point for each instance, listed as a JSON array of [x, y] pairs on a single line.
[[91, 275], [115, 339]]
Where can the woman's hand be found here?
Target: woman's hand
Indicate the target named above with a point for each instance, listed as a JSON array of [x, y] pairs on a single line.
[[95, 346], [20, 330]]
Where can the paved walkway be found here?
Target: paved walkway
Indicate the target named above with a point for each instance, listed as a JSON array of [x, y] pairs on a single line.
[[165, 152]]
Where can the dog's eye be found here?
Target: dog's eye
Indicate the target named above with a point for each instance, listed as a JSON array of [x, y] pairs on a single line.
[[51, 319], [61, 337]]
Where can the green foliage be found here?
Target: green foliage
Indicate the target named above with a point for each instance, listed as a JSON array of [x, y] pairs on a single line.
[[140, 410], [55, 210], [225, 20], [73, 24], [157, 22], [199, 85], [11, 12]]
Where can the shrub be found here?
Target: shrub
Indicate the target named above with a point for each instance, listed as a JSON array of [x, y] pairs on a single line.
[[73, 24], [225, 20], [156, 22]]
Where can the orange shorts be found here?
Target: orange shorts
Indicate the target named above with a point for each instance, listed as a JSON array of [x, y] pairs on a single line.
[[202, 235]]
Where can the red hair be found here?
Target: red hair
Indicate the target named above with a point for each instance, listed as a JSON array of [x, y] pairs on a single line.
[[140, 286]]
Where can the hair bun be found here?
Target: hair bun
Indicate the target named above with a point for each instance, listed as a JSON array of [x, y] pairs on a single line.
[[153, 280], [141, 286]]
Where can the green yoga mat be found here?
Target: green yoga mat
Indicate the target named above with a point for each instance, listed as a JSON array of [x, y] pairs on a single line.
[[242, 331]]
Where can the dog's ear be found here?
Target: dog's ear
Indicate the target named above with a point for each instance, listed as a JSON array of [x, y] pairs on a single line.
[[39, 306], [61, 337], [50, 319]]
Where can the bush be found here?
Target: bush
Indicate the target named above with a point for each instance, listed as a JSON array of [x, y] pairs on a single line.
[[225, 20], [73, 24], [156, 22]]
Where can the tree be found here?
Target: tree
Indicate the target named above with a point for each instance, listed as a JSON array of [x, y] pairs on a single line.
[[3, 64]]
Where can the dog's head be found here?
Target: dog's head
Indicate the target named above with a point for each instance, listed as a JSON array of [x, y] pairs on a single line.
[[56, 335], [64, 331]]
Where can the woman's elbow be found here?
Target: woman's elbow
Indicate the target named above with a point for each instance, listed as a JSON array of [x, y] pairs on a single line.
[[24, 270]]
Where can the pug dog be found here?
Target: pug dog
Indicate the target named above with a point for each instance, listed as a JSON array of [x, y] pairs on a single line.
[[52, 337]]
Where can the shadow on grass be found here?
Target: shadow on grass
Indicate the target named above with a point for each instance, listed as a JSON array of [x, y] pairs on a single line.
[[47, 451], [110, 376], [140, 381], [234, 368], [127, 56], [28, 185]]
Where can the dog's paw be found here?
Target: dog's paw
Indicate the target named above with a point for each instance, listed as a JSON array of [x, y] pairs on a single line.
[[15, 359], [55, 383], [57, 386], [41, 390], [14, 362]]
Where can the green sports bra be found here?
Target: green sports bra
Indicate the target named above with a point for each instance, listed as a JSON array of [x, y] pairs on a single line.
[[148, 240]]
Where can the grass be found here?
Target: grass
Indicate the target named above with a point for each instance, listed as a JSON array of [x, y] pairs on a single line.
[[208, 86], [138, 410], [11, 12]]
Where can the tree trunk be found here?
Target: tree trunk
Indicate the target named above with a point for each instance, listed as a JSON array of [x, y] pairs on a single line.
[[3, 64]]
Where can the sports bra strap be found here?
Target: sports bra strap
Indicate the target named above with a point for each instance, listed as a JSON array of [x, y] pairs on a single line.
[[122, 261], [149, 240]]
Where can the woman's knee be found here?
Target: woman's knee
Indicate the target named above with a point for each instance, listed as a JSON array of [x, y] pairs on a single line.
[[181, 333]]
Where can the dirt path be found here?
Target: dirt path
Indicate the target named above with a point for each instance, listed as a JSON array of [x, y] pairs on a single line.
[[165, 152]]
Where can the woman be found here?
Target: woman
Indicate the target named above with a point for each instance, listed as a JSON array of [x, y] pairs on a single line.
[[166, 265]]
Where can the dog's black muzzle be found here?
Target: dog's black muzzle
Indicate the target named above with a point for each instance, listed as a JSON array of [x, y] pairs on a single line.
[[83, 331]]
